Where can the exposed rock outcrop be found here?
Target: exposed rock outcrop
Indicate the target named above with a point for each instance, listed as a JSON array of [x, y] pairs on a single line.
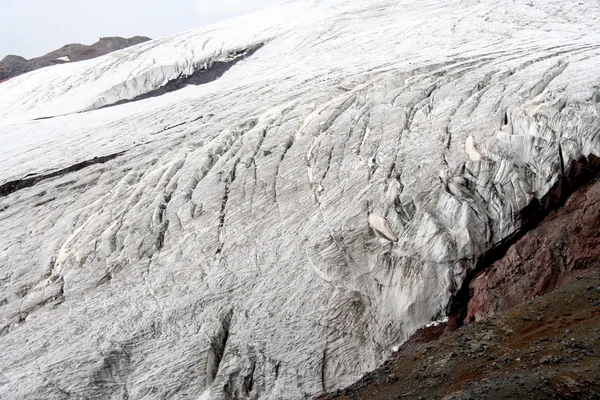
[[205, 73], [548, 348], [11, 66], [566, 244], [546, 340]]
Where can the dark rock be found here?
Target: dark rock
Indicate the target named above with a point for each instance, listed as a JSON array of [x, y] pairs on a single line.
[[12, 66], [200, 76]]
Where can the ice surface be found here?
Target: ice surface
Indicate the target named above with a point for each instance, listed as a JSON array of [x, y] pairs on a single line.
[[226, 251]]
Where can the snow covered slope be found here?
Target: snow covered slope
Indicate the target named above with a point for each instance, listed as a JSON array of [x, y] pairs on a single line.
[[274, 232]]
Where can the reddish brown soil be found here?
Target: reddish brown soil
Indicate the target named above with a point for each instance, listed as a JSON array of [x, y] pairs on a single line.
[[548, 348], [560, 248], [538, 313]]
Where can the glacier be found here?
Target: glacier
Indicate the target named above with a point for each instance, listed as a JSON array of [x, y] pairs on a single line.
[[275, 232]]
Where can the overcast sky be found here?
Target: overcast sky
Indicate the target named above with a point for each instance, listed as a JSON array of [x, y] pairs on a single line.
[[31, 28]]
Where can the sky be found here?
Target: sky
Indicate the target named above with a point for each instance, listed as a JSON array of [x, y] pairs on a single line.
[[31, 28]]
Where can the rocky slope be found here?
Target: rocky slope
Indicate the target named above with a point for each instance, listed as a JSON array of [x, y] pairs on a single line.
[[11, 66], [275, 231], [563, 246], [547, 347]]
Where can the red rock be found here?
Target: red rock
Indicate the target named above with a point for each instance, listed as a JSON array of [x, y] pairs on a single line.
[[564, 245]]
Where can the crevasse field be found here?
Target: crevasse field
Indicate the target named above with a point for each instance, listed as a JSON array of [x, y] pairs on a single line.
[[274, 233]]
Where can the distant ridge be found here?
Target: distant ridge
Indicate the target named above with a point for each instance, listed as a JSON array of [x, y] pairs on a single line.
[[12, 65]]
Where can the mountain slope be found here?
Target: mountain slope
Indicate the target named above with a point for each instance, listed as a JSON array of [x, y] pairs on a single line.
[[538, 316], [544, 349], [274, 232], [11, 66]]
